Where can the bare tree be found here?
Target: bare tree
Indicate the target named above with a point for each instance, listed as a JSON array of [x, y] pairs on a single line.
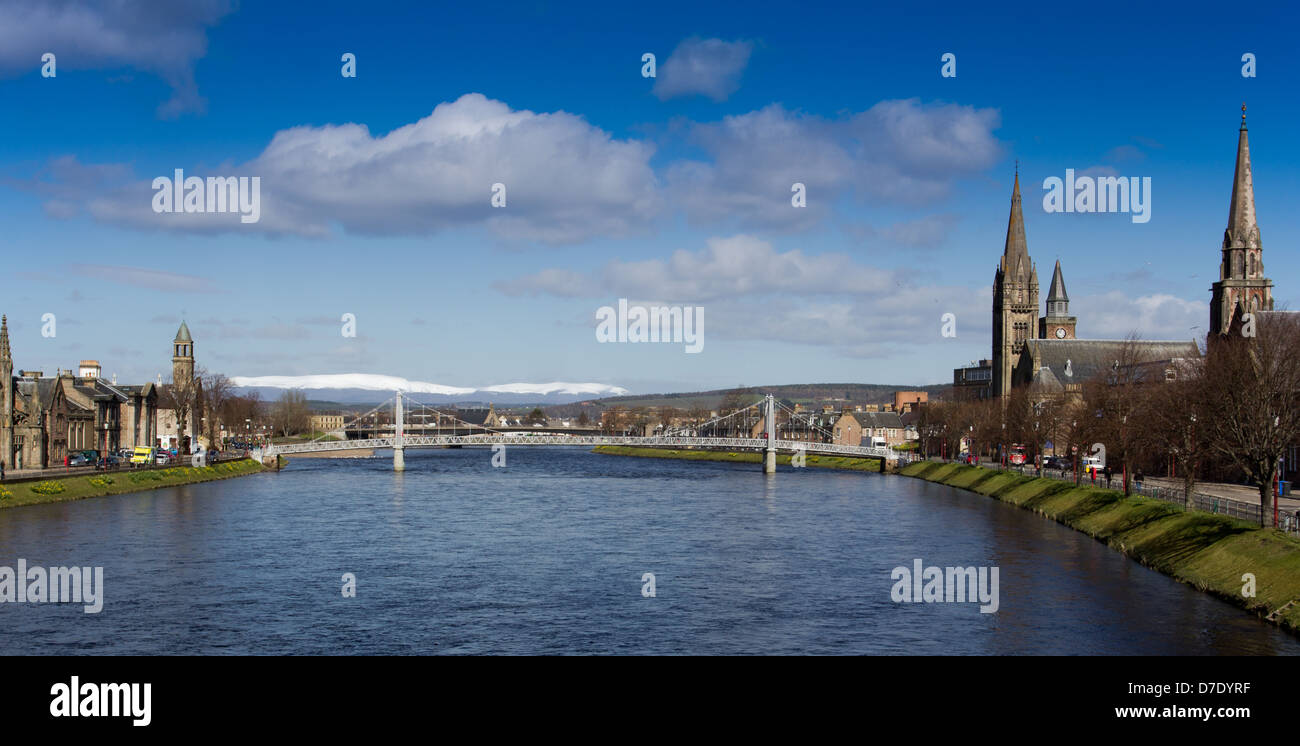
[[1171, 412], [698, 415], [182, 397], [216, 390], [1250, 395], [667, 414], [735, 399], [640, 417], [1046, 410], [613, 420], [290, 413], [1119, 407]]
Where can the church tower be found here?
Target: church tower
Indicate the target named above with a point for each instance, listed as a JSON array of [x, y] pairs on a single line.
[[6, 396], [1242, 286], [1058, 323], [183, 356], [1015, 299], [185, 392]]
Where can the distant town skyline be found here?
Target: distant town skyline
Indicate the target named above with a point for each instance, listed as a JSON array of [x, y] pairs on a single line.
[[375, 190]]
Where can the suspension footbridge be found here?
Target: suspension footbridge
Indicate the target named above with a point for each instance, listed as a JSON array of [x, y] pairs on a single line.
[[731, 431]]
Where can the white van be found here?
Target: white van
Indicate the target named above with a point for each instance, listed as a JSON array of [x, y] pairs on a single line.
[[1092, 463]]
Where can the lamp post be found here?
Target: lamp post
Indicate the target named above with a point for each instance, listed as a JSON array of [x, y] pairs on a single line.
[[1074, 449], [1038, 457], [1277, 471]]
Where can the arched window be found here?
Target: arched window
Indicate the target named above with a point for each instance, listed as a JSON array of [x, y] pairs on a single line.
[[1252, 265]]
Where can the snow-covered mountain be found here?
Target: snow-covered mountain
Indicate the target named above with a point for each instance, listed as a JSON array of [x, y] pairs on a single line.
[[370, 387]]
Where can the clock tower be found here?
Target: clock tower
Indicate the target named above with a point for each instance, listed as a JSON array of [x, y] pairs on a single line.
[[1058, 323]]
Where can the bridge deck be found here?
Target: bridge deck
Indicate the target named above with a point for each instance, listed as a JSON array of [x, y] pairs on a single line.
[[439, 441]]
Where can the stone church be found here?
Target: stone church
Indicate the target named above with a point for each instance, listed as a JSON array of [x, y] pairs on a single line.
[[1046, 351], [181, 415], [1242, 287]]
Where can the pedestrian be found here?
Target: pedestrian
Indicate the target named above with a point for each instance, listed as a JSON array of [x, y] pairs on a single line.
[[1137, 478], [1106, 471], [2, 471]]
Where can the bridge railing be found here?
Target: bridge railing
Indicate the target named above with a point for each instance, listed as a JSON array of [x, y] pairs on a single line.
[[416, 441]]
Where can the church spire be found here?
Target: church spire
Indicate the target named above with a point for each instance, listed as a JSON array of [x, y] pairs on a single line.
[[1016, 247], [1057, 292], [1242, 231], [5, 354]]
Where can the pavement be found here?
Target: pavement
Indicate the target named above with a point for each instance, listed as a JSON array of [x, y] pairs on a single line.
[[1238, 492]]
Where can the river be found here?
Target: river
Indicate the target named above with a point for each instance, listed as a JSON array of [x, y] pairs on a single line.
[[548, 554]]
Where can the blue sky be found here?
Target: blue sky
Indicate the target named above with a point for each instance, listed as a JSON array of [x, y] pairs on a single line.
[[673, 190]]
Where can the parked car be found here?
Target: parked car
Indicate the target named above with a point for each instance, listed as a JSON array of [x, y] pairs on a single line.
[[163, 458], [78, 459], [1056, 462], [107, 462]]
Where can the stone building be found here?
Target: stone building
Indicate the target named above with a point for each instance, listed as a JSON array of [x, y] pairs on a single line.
[[1242, 287], [43, 420], [857, 428], [906, 401], [1045, 350], [180, 415], [1015, 298]]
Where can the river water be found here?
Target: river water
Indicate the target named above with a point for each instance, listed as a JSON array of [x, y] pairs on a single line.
[[548, 554]]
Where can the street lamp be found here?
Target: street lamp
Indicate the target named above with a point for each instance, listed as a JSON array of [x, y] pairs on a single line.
[[1074, 448]]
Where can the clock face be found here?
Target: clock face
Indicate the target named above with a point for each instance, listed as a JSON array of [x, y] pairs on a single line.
[[1060, 332]]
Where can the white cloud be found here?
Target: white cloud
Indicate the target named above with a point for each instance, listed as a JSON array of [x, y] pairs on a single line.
[[164, 39], [705, 67], [1115, 315], [153, 279], [896, 151], [729, 267], [752, 292], [565, 180], [923, 233]]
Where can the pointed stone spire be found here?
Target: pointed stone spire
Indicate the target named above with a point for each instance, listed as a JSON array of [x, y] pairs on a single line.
[[1057, 292], [1242, 231], [1017, 248], [5, 354]]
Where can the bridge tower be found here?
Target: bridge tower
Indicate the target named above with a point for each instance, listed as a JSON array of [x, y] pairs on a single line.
[[399, 441], [769, 419]]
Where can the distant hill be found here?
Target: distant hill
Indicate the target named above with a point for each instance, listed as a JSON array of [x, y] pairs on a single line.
[[797, 393], [566, 404]]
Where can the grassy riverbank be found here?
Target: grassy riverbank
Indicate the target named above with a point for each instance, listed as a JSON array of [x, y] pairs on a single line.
[[1209, 551], [60, 489], [744, 457]]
